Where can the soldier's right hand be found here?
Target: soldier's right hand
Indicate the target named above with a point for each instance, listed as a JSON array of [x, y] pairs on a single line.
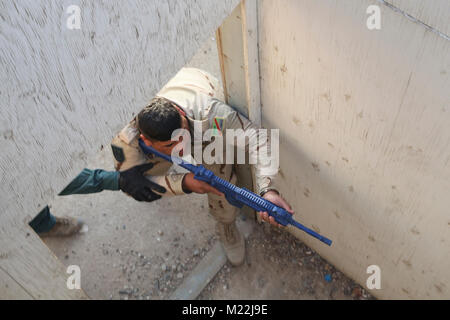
[[197, 186], [134, 183]]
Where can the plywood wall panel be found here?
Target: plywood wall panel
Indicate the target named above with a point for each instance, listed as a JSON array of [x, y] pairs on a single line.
[[65, 93], [365, 137], [432, 13]]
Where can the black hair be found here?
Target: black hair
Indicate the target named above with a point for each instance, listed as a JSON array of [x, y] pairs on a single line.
[[159, 119]]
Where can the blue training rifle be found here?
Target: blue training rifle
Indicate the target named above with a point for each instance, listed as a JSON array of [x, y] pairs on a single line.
[[235, 195]]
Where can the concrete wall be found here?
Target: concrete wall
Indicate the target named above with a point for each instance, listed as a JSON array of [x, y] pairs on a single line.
[[64, 93], [365, 133]]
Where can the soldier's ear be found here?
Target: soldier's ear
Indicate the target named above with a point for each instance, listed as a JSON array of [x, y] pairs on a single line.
[[147, 142]]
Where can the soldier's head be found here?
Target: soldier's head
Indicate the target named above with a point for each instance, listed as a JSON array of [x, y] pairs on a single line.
[[158, 121]]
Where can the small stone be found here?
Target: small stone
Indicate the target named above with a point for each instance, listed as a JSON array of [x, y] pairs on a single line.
[[261, 282], [308, 252], [179, 275], [124, 227], [125, 291], [356, 293], [84, 229], [174, 267], [196, 252], [158, 239], [164, 267], [225, 287]]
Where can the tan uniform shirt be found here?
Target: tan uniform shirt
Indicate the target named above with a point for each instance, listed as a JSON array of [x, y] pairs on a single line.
[[196, 92]]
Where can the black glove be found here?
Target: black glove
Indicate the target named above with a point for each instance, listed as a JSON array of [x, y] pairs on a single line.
[[134, 183]]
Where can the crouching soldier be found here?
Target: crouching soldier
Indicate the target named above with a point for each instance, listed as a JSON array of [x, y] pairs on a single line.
[[177, 106]]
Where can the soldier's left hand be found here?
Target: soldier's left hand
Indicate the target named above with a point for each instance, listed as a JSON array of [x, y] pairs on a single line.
[[275, 198], [134, 183]]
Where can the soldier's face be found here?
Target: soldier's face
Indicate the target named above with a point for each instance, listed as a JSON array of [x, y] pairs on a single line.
[[166, 147]]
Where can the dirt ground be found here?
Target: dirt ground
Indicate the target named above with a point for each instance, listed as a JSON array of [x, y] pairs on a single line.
[[136, 250], [280, 267]]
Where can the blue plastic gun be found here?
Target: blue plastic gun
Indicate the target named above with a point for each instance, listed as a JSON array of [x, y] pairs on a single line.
[[235, 195]]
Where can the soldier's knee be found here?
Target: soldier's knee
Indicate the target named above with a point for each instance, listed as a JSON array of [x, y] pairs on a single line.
[[222, 211]]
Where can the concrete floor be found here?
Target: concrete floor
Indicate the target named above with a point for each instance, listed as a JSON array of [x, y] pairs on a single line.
[[136, 250]]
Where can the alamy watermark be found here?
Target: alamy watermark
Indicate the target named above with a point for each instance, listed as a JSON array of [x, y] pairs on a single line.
[[373, 22], [374, 280], [220, 148], [74, 20], [74, 280]]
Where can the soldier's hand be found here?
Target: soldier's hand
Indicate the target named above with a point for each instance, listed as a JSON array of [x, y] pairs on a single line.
[[275, 198], [134, 183], [197, 186]]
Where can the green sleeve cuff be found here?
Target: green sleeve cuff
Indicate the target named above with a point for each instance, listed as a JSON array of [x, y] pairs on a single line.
[[110, 180]]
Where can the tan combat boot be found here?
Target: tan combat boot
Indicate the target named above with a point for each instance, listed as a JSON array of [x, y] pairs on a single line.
[[64, 227], [233, 242]]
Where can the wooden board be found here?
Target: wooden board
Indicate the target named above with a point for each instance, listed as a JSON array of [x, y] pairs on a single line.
[[238, 55], [432, 13], [65, 93], [11, 289], [364, 124]]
